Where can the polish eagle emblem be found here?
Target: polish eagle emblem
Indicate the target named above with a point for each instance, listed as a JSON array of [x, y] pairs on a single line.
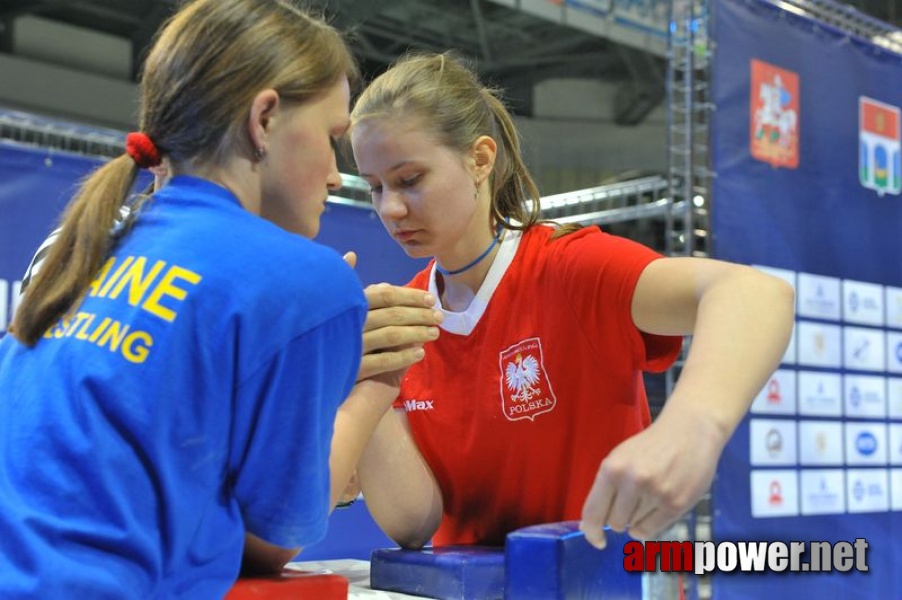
[[521, 376]]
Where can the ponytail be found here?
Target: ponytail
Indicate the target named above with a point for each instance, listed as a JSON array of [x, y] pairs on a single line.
[[514, 192], [78, 252]]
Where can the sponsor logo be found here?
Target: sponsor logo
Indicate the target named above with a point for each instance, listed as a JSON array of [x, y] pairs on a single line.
[[775, 494], [773, 441], [415, 405], [863, 302], [866, 443], [819, 444], [778, 396], [773, 392], [879, 146], [868, 490], [525, 389], [858, 490], [855, 396], [894, 306], [862, 490], [819, 296], [820, 343], [774, 110], [823, 493], [860, 349], [894, 352]]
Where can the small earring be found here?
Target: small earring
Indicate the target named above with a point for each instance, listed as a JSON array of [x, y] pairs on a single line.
[[260, 153]]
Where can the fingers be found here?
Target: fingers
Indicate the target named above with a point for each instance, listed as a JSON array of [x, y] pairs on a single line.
[[399, 317], [649, 481], [596, 509], [654, 522], [350, 258], [383, 295], [644, 510], [397, 337], [623, 501], [389, 361], [399, 322], [623, 504]]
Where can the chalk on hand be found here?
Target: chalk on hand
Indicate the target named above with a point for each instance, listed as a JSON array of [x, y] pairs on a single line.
[[290, 585], [446, 573], [554, 561]]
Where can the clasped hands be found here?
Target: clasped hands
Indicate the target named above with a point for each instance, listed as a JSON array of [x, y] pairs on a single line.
[[399, 323]]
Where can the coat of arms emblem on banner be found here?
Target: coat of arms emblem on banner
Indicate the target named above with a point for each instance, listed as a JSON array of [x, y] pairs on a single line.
[[879, 146], [774, 110]]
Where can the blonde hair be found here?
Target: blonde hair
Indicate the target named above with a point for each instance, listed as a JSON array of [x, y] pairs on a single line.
[[445, 95], [207, 64]]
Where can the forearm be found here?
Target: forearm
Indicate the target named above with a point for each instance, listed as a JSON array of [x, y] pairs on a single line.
[[355, 422], [742, 328], [401, 492], [400, 321]]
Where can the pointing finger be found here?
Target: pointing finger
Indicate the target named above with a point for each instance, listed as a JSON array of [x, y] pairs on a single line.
[[596, 509]]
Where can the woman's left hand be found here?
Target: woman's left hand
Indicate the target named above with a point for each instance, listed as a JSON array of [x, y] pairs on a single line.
[[651, 479], [741, 320]]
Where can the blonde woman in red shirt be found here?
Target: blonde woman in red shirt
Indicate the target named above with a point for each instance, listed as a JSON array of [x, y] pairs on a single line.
[[530, 405]]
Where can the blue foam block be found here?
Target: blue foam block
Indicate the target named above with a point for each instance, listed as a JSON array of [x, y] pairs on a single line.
[[447, 573], [555, 562]]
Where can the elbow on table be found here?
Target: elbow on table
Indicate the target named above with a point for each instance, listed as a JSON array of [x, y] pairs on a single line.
[[412, 542], [412, 533]]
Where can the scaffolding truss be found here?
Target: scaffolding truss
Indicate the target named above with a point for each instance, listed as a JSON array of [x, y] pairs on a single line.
[[60, 136], [631, 200]]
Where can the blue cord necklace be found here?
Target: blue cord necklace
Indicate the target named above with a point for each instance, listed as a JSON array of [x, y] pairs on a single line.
[[476, 260]]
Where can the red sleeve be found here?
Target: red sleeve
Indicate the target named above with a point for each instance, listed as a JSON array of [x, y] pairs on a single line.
[[599, 273]]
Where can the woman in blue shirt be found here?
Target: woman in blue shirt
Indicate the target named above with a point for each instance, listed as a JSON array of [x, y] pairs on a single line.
[[170, 390]]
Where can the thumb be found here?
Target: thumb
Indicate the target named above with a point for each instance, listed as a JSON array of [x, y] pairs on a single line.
[[351, 258]]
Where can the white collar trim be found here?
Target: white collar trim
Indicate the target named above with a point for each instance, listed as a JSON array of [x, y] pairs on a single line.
[[463, 323]]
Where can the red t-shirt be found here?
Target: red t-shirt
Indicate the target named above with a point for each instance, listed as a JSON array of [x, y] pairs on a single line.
[[522, 396]]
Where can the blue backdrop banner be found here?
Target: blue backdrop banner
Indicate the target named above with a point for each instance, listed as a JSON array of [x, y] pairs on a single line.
[[806, 151]]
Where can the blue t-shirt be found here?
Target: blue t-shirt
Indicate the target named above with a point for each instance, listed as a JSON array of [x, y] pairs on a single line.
[[189, 398]]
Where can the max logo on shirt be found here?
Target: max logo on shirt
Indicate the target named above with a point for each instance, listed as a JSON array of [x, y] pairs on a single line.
[[413, 405], [525, 389]]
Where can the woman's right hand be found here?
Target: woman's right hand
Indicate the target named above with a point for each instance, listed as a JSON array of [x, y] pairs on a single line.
[[399, 322]]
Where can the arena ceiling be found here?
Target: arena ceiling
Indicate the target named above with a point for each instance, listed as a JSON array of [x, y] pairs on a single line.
[[512, 48]]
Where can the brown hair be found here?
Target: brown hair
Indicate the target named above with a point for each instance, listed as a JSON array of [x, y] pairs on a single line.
[[445, 93], [207, 64]]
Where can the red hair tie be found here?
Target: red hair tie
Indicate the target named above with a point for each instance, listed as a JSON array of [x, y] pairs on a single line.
[[142, 150]]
